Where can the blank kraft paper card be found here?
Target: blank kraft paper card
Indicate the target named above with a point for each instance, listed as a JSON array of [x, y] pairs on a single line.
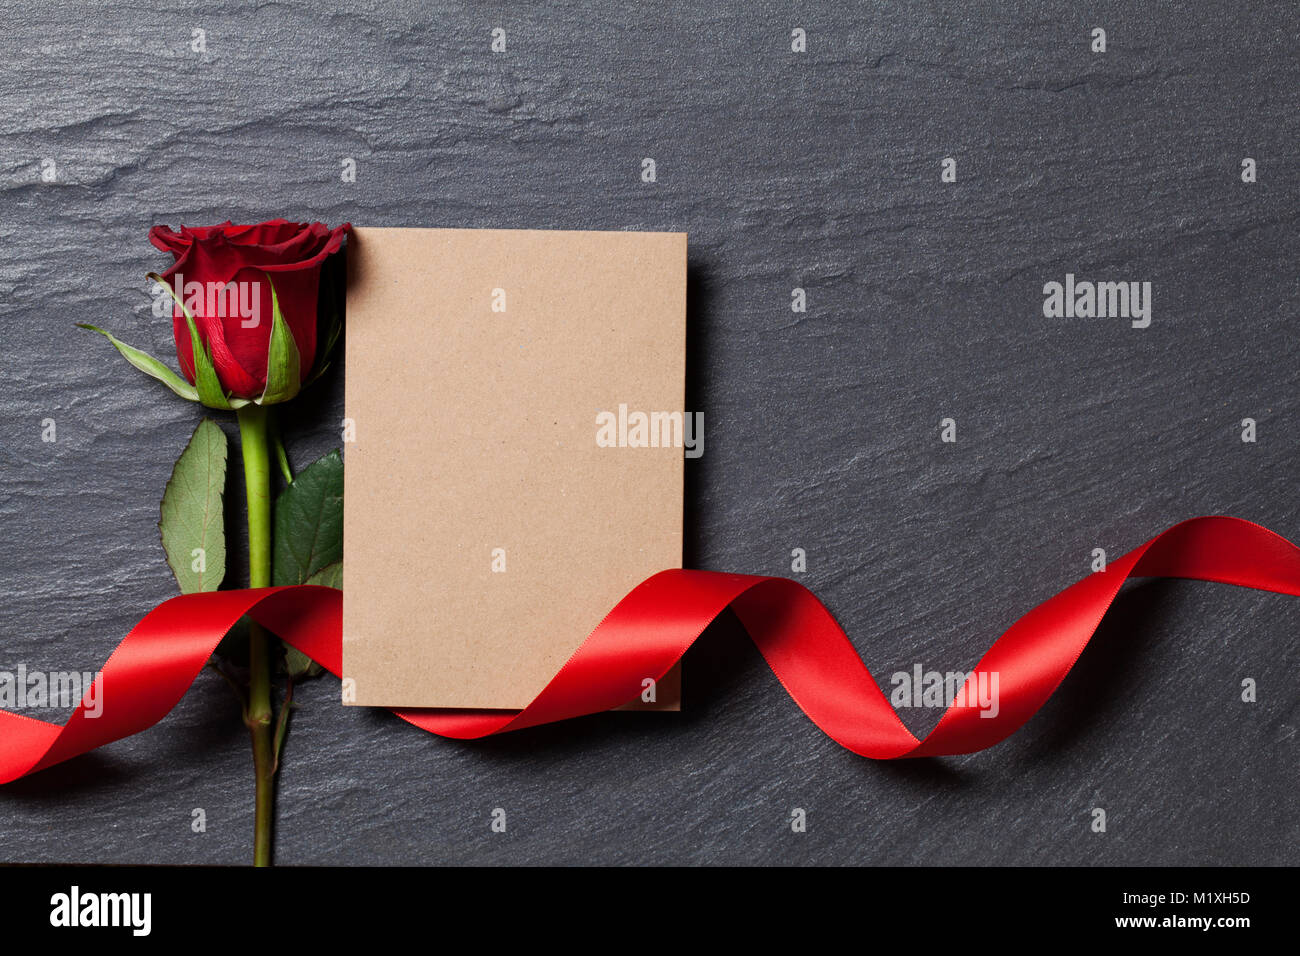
[[486, 529]]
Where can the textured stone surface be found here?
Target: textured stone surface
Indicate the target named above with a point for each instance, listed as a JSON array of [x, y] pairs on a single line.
[[818, 170]]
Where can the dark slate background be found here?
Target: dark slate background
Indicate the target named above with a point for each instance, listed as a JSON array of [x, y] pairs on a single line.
[[818, 170]]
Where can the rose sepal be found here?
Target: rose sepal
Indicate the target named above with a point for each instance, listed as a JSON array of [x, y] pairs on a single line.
[[206, 382], [325, 349], [283, 361], [148, 364]]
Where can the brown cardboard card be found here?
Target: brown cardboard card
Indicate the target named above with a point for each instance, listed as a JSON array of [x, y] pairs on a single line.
[[486, 529]]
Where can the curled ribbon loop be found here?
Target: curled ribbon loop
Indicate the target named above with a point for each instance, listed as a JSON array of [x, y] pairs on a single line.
[[648, 632]]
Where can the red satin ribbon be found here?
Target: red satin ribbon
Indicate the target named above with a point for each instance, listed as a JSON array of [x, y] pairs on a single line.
[[648, 632]]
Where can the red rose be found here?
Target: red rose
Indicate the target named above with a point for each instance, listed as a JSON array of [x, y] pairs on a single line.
[[225, 275]]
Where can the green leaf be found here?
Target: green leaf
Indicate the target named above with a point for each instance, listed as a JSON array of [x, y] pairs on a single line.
[[206, 380], [308, 522], [283, 373], [297, 664], [192, 517], [330, 576], [148, 364]]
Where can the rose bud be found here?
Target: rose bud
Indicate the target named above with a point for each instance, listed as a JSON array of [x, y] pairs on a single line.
[[245, 312]]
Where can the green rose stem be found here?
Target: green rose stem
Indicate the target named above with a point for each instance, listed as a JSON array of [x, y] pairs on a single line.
[[254, 440]]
